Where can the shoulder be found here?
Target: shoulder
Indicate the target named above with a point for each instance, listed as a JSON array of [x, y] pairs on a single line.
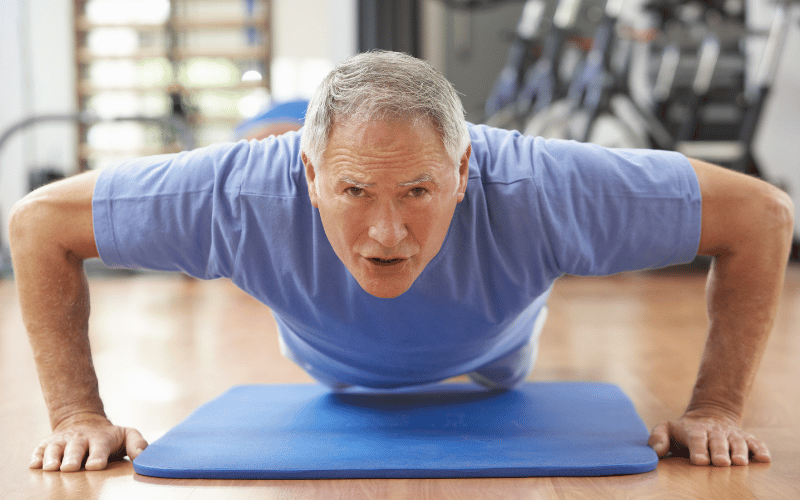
[[269, 166], [508, 156], [274, 168], [500, 156]]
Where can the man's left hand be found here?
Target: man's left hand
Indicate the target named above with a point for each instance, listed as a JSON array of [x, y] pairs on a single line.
[[709, 440]]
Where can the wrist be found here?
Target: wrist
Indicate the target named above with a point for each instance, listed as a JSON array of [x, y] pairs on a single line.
[[76, 413], [717, 408], [718, 392]]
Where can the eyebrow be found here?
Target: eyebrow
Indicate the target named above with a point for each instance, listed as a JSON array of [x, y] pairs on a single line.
[[349, 180], [418, 180]]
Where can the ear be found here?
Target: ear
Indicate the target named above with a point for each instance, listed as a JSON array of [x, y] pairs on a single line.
[[311, 180], [463, 173]]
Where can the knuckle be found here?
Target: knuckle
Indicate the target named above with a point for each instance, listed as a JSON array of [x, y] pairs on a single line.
[[697, 435], [56, 440], [77, 440], [736, 442], [717, 436]]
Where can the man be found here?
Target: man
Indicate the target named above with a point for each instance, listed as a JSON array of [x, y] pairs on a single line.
[[397, 245]]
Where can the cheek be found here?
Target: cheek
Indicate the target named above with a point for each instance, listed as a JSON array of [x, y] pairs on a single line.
[[342, 223], [431, 225]]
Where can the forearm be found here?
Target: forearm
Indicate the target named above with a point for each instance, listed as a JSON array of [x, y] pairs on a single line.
[[743, 298], [744, 288], [54, 300], [55, 307]]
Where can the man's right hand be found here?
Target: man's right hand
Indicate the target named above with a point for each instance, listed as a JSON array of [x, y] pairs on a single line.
[[82, 435]]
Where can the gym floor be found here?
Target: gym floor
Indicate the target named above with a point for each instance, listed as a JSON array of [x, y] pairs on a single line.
[[165, 344]]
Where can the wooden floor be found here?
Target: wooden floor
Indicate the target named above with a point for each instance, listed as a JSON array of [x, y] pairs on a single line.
[[166, 344]]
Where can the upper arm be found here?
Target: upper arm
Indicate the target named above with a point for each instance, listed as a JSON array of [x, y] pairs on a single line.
[[740, 211], [59, 216]]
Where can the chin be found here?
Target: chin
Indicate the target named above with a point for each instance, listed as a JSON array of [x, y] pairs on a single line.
[[385, 290]]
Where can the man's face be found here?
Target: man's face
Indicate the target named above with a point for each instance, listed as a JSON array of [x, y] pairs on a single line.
[[386, 193]]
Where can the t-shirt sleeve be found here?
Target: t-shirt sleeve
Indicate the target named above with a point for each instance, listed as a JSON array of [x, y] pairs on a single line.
[[612, 210], [175, 212]]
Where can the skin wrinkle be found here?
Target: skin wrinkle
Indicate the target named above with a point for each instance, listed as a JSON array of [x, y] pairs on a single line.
[[388, 218], [414, 121], [385, 86]]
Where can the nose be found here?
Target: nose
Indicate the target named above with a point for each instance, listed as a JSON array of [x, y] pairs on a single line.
[[387, 226]]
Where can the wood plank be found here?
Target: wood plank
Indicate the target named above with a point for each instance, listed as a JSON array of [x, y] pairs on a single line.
[[165, 344]]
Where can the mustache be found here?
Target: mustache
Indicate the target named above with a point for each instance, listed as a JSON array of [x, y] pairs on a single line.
[[398, 252]]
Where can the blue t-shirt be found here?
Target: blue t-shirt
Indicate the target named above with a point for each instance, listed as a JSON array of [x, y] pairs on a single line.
[[534, 210]]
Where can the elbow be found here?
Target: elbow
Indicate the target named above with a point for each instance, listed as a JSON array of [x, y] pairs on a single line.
[[786, 210], [53, 222], [22, 223], [33, 222], [778, 217]]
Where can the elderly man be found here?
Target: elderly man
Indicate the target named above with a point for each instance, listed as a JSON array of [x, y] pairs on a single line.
[[398, 245]]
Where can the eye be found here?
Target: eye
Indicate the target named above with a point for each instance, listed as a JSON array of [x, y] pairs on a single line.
[[354, 191], [417, 192]]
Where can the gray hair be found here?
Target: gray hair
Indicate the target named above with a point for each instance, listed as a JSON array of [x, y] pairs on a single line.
[[381, 85]]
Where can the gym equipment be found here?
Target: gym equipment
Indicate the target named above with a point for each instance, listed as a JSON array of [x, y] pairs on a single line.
[[543, 80], [440, 430], [598, 95], [507, 86], [702, 103], [541, 84]]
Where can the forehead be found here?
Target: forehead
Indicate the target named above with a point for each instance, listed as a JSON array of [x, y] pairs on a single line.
[[399, 146]]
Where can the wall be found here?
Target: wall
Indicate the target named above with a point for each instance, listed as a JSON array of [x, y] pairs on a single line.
[[37, 64], [11, 108], [309, 38], [777, 145], [469, 48]]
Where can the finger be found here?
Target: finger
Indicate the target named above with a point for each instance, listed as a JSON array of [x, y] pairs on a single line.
[[74, 453], [134, 443], [51, 460], [99, 451], [698, 447], [37, 457], [718, 446], [759, 450], [739, 450], [659, 439]]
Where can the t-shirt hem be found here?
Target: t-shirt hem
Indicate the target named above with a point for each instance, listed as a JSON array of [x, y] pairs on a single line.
[[105, 239]]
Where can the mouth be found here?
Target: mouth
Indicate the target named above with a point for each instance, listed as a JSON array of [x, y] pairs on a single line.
[[385, 262]]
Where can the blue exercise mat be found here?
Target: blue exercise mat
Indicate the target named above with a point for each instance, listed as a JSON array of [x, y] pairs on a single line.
[[445, 430]]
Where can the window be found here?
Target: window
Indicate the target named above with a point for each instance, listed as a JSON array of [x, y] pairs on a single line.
[[162, 76]]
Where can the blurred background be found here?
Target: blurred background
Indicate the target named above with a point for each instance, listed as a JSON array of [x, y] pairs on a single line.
[[86, 83]]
